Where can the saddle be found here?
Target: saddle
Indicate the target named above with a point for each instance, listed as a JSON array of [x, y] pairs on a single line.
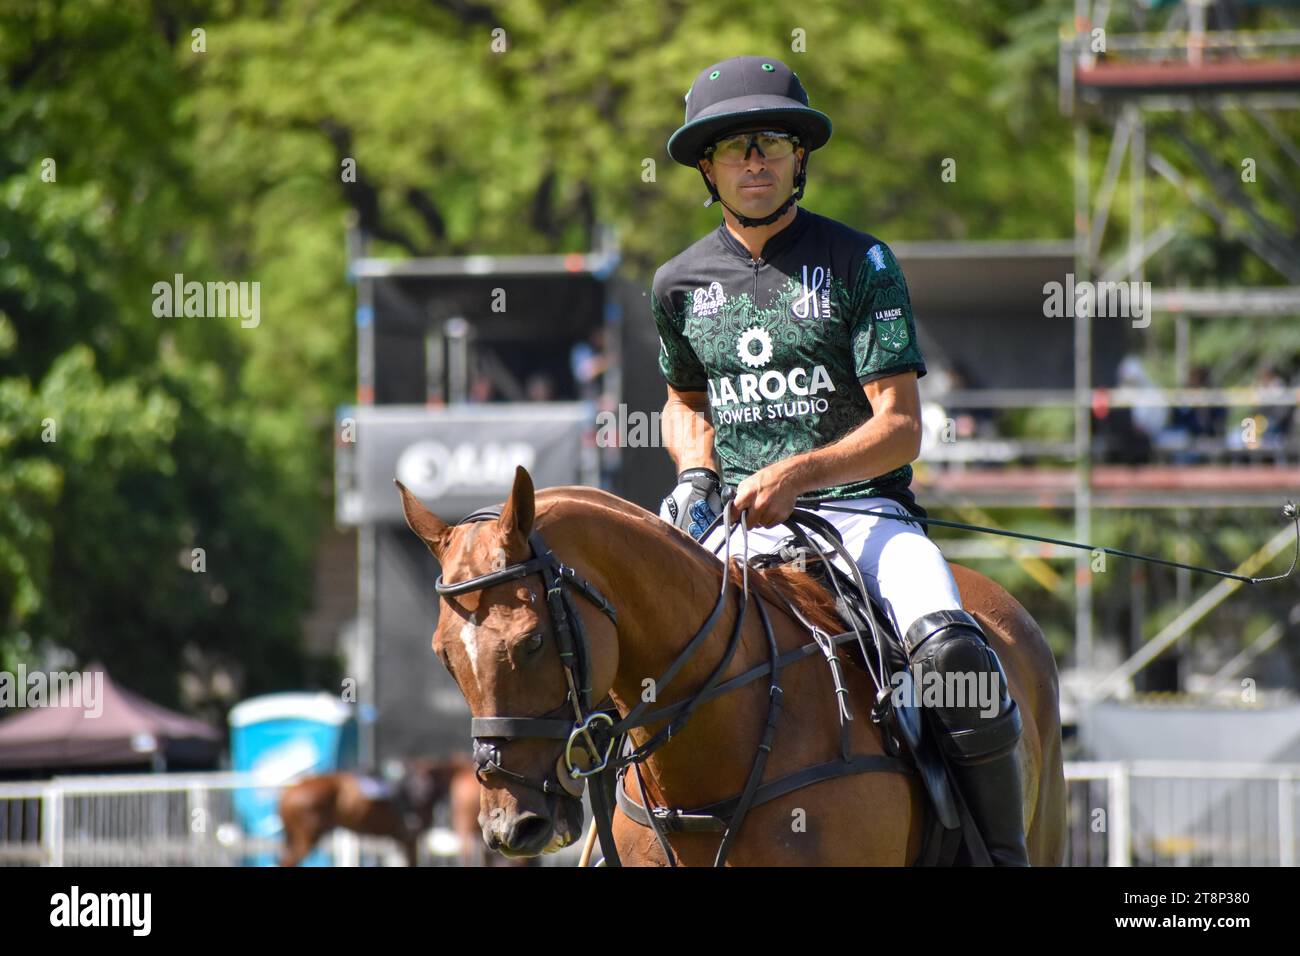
[[373, 788], [901, 725]]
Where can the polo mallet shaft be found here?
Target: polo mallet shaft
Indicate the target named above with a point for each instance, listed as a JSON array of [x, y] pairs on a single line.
[[588, 845]]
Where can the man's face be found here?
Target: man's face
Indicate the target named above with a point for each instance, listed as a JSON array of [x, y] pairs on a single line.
[[759, 185]]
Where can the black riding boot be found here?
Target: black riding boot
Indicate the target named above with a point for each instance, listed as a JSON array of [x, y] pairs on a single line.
[[981, 747], [994, 795]]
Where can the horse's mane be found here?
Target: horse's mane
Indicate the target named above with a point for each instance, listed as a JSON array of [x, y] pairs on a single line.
[[799, 588], [778, 584]]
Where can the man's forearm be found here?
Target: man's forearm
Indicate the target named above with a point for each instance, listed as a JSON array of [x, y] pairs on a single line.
[[878, 445], [687, 433]]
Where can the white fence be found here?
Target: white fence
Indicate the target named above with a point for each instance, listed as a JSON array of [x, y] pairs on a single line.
[[1145, 813], [162, 820], [1182, 813]]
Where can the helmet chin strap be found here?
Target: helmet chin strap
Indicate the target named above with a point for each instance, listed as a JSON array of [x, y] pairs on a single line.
[[799, 180]]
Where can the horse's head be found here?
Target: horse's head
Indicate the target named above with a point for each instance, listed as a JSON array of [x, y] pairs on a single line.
[[499, 645]]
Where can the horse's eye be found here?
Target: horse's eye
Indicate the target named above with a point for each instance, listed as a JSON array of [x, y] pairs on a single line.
[[533, 642]]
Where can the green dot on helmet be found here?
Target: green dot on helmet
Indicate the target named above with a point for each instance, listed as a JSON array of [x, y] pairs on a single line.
[[769, 67], [715, 74]]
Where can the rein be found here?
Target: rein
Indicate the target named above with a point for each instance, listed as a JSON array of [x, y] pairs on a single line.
[[1289, 511]]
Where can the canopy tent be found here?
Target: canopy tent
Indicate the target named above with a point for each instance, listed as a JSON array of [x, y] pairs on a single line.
[[103, 725]]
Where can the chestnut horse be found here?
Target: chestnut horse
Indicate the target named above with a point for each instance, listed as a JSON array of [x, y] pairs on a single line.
[[499, 645], [315, 805]]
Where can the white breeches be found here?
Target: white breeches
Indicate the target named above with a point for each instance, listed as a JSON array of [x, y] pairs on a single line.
[[903, 569]]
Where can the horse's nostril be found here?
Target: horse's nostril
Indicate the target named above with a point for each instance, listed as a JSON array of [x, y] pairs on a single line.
[[528, 829]]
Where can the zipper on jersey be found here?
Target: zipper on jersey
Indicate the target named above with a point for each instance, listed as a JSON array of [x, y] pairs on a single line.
[[757, 263]]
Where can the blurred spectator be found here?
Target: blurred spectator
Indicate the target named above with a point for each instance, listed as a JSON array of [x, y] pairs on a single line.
[[1201, 421], [1275, 421], [970, 422], [1190, 424], [936, 384], [589, 361], [1125, 433], [1150, 419], [539, 388], [481, 389], [1287, 425]]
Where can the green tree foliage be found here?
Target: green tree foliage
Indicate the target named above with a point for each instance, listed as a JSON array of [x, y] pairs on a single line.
[[128, 440], [217, 139]]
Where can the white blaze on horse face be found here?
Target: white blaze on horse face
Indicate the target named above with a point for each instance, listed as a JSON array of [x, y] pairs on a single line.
[[469, 638]]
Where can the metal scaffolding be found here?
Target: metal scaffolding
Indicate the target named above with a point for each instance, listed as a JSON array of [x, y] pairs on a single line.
[[1189, 64]]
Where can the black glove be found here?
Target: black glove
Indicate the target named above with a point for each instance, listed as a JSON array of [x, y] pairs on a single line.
[[695, 502]]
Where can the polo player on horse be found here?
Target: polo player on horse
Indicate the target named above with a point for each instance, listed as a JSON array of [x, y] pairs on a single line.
[[789, 348]]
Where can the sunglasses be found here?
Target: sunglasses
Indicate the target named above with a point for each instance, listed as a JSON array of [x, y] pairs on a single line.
[[733, 150]]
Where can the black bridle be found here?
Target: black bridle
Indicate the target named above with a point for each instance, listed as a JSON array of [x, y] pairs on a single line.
[[594, 730], [575, 657]]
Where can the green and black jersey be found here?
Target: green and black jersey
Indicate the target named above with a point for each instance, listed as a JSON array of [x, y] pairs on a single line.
[[783, 344]]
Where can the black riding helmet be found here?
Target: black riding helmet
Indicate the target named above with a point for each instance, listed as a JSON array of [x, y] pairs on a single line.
[[748, 91]]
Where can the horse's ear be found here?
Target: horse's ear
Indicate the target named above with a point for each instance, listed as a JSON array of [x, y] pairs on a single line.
[[516, 521], [431, 529]]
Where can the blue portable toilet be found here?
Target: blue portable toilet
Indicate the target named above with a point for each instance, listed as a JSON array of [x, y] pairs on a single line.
[[281, 738]]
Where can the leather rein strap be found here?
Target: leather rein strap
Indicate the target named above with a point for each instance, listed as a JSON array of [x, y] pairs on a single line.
[[596, 731], [714, 817]]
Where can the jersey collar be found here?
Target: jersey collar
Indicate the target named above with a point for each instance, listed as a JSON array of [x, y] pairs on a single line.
[[775, 244]]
